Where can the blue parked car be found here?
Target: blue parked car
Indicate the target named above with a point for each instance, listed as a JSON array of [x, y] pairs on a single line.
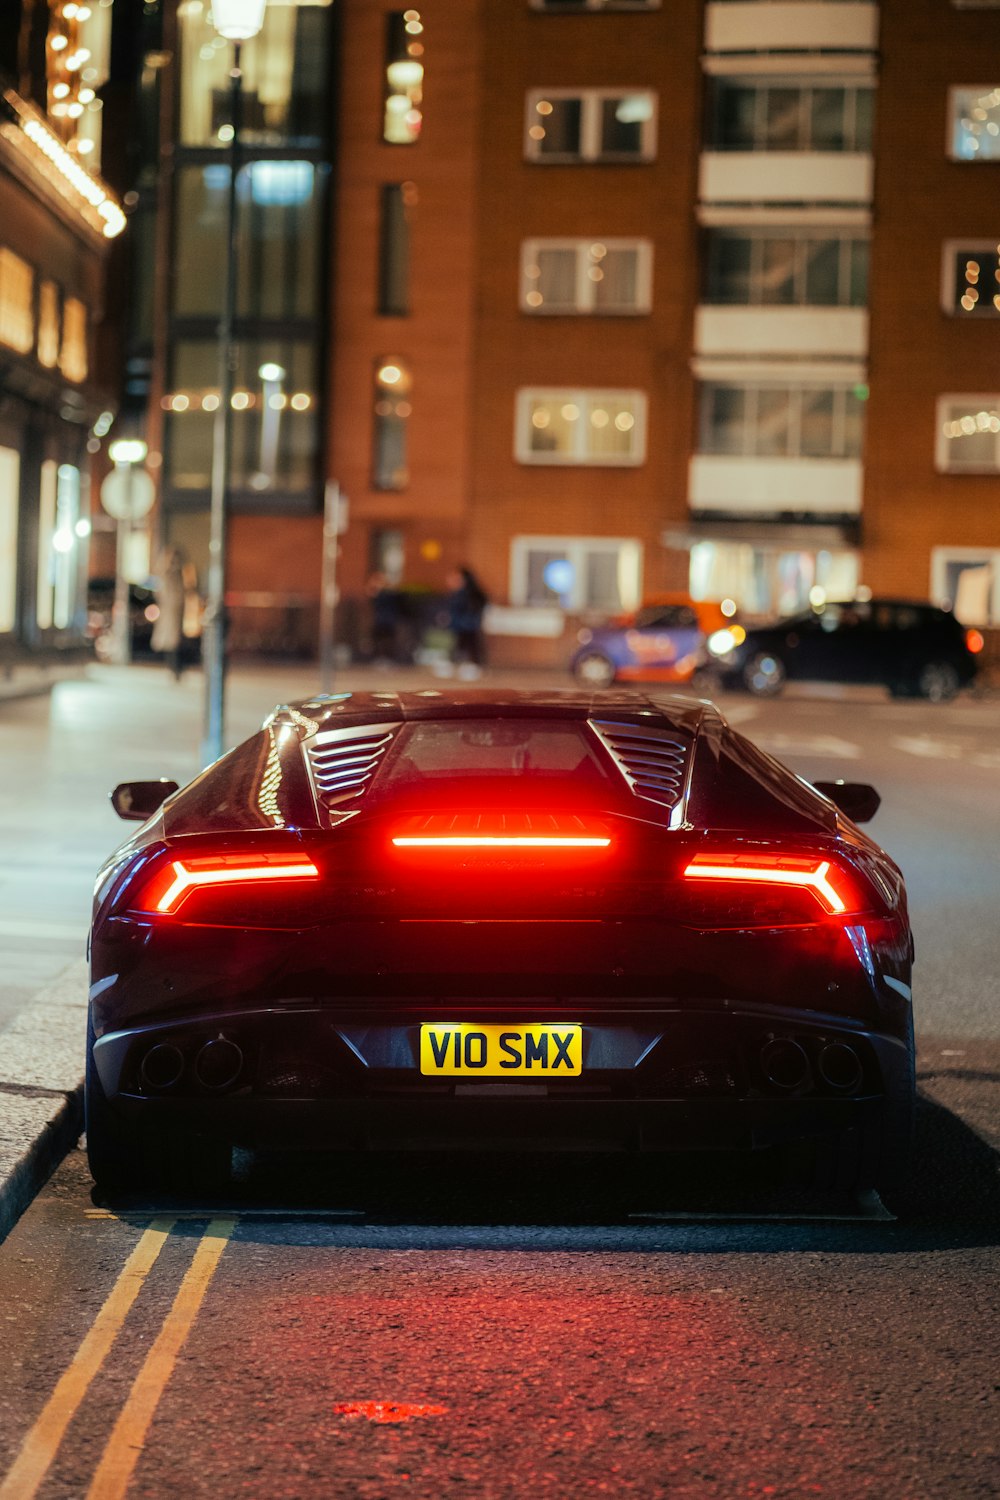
[[659, 642]]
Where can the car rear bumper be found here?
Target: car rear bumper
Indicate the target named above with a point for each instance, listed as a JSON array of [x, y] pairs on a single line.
[[670, 1079]]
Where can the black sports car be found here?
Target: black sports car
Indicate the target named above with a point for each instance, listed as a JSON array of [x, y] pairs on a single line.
[[519, 919]]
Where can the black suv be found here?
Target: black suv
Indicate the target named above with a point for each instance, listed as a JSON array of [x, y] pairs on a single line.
[[913, 648]]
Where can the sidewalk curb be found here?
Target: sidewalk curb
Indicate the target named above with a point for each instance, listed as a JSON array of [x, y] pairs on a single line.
[[41, 1090], [54, 1140]]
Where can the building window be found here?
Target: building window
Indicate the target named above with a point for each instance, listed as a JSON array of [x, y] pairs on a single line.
[[48, 325], [968, 434], [967, 580], [586, 276], [394, 249], [284, 78], [580, 427], [10, 474], [73, 355], [790, 117], [576, 572], [275, 429], [393, 386], [774, 421], [974, 123], [970, 278], [572, 125], [58, 545], [279, 207], [17, 302], [404, 77], [785, 270]]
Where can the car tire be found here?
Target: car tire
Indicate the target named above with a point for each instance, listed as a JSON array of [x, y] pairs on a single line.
[[764, 675], [938, 681], [594, 669], [123, 1158]]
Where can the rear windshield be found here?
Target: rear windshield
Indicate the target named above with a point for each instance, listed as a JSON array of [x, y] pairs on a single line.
[[454, 753]]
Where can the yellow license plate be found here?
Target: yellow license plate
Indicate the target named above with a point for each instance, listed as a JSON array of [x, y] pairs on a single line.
[[463, 1049]]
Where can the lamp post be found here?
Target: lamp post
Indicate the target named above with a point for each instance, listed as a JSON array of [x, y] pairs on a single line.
[[238, 21]]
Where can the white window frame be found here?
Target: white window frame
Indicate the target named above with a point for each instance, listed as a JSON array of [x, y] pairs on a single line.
[[949, 250], [941, 445], [954, 115], [586, 288], [586, 399], [590, 126], [942, 556], [575, 549]]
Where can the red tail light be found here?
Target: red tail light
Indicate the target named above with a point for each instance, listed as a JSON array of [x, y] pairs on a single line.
[[172, 885], [825, 881], [974, 641], [545, 831]]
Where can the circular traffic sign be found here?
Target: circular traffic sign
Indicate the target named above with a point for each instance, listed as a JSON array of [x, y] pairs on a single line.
[[127, 493]]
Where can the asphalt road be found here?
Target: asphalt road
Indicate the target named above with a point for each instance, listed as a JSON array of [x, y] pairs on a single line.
[[522, 1326]]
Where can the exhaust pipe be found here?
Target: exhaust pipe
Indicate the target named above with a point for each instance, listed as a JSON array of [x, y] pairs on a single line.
[[784, 1064], [162, 1066], [840, 1067], [218, 1064]]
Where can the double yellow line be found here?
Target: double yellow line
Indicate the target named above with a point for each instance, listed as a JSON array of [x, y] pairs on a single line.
[[124, 1446]]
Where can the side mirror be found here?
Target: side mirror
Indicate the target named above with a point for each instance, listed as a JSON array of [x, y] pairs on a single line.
[[139, 800], [855, 798]]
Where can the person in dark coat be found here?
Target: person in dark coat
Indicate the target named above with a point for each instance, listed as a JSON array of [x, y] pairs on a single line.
[[467, 600]]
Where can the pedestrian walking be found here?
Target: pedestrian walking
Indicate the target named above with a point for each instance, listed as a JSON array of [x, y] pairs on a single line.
[[386, 618], [467, 599], [168, 627]]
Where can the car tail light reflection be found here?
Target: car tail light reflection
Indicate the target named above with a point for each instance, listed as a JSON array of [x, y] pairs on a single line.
[[173, 884], [824, 880]]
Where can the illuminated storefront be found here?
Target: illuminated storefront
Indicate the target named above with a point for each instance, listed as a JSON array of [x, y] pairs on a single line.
[[57, 220]]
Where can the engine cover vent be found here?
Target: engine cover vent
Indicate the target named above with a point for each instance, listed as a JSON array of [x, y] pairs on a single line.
[[343, 761], [652, 761]]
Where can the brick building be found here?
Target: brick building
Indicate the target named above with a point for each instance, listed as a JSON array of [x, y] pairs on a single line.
[[621, 296]]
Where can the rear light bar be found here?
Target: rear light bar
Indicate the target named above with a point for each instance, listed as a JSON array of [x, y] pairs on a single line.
[[501, 831], [171, 887], [498, 841], [821, 878]]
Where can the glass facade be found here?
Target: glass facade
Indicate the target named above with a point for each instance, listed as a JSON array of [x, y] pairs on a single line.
[[790, 117], [285, 82], [282, 193], [774, 421], [785, 270]]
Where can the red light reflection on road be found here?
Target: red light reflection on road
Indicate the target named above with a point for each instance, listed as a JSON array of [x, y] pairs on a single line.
[[386, 1411]]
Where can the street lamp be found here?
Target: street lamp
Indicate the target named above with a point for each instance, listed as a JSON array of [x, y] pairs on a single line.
[[238, 21]]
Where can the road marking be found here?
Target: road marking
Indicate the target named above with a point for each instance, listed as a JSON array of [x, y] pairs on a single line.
[[124, 1446], [927, 746], [809, 744], [42, 1443]]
